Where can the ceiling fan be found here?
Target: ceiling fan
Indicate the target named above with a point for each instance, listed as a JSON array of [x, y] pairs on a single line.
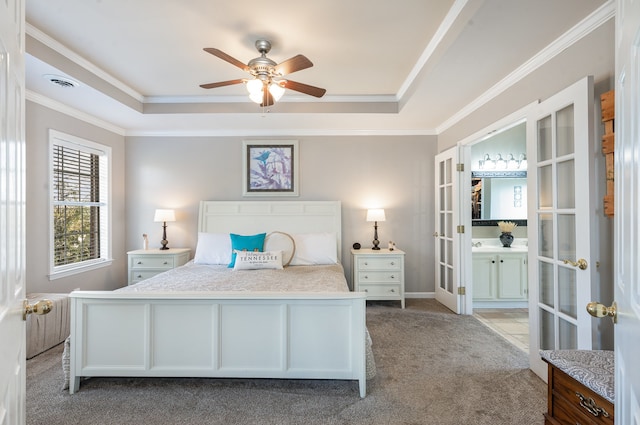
[[267, 85]]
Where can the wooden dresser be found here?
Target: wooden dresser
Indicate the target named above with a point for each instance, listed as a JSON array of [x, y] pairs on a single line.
[[581, 388]]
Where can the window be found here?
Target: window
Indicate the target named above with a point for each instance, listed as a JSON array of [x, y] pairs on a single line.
[[80, 204]]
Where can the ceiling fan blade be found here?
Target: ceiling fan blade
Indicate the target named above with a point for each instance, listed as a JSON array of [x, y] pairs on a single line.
[[294, 64], [225, 57], [303, 88], [267, 98], [221, 84]]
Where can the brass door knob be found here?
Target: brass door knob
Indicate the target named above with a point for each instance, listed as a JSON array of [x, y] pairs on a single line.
[[41, 307], [600, 310], [581, 263]]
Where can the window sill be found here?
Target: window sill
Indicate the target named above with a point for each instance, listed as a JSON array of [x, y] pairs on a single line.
[[79, 269]]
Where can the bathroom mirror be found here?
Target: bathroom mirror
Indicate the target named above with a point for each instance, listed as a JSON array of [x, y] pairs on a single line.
[[498, 196], [499, 177]]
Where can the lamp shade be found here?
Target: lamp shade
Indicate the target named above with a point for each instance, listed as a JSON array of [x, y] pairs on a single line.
[[164, 215], [375, 214]]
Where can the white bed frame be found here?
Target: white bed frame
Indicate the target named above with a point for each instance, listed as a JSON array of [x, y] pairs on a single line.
[[213, 334]]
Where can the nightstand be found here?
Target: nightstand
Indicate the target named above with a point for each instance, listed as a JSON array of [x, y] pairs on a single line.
[[379, 273], [145, 263]]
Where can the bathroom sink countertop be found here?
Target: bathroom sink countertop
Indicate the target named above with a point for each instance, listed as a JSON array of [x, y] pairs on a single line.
[[494, 246], [500, 249]]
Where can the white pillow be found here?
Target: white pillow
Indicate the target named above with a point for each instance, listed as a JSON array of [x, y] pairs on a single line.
[[315, 248], [213, 248], [254, 260]]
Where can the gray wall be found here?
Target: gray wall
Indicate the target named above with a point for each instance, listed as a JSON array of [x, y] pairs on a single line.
[[592, 55], [39, 120], [392, 172]]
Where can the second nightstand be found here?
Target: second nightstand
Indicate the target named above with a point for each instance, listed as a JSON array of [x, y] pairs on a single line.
[[379, 273], [145, 263]]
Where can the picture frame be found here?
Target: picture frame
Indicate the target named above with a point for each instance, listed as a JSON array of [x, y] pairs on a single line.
[[270, 168]]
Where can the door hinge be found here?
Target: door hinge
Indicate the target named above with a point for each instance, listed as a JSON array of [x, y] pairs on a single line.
[[462, 290], [460, 228], [460, 166]]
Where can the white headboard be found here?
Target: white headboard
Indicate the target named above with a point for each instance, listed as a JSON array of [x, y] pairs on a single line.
[[249, 217]]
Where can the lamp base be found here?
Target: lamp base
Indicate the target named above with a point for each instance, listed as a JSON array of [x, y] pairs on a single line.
[[376, 242], [164, 240]]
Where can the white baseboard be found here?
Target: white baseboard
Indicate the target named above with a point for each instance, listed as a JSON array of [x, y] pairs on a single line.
[[500, 304], [419, 294]]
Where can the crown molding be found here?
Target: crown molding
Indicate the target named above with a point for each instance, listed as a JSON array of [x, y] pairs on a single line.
[[72, 112], [282, 133], [600, 16], [441, 32], [80, 61]]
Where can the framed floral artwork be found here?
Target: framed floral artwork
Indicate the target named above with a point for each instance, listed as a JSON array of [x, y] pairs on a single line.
[[270, 168]]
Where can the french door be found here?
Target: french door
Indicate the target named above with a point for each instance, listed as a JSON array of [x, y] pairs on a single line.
[[561, 178], [447, 249]]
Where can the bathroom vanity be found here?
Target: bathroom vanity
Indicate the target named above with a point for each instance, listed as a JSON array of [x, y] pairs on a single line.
[[499, 274]]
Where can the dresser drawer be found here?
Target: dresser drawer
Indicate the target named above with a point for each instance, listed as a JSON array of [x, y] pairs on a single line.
[[152, 262], [380, 263], [138, 275], [378, 276], [574, 403], [381, 290]]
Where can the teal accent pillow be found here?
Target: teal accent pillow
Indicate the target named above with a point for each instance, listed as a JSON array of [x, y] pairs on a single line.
[[245, 243]]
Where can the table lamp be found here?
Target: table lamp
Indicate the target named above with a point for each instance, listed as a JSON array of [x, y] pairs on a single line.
[[164, 216], [375, 215]]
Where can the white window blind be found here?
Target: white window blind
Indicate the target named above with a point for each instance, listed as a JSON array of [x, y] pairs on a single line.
[[79, 203]]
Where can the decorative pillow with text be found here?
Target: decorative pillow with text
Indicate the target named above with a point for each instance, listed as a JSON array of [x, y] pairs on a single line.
[[250, 260]]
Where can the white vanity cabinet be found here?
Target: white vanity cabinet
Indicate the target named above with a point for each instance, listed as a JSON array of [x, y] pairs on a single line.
[[500, 277]]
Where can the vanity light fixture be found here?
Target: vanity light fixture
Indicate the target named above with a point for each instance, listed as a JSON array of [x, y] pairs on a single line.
[[499, 163]]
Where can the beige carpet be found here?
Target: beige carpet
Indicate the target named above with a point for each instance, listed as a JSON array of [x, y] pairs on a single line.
[[434, 367]]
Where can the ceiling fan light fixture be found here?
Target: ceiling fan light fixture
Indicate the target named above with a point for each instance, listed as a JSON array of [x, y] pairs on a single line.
[[254, 86], [276, 91], [266, 75], [256, 97]]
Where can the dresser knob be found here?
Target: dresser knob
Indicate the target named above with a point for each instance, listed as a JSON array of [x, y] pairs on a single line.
[[392, 277], [366, 277], [139, 262], [366, 264], [165, 263], [139, 276], [393, 263], [393, 290], [366, 290]]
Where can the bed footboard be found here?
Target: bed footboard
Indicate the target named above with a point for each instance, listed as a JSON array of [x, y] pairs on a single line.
[[271, 335]]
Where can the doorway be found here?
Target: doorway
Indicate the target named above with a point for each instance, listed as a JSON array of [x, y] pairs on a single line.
[[498, 197]]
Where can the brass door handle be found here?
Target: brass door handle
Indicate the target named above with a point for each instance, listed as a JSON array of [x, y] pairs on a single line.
[[600, 310], [41, 307], [581, 263]]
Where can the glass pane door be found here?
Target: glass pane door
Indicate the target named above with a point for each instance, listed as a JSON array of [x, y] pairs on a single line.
[[445, 234], [562, 207]]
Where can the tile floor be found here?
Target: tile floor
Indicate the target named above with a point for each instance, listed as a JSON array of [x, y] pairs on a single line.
[[511, 323]]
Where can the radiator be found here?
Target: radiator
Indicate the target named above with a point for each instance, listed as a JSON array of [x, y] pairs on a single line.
[[49, 330]]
